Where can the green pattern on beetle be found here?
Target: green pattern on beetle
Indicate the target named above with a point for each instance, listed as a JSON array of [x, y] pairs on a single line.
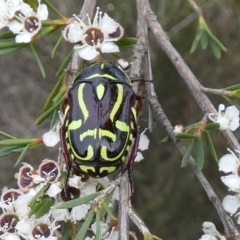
[[99, 120]]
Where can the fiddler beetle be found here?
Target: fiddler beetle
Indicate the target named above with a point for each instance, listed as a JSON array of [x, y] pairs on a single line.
[[100, 121]]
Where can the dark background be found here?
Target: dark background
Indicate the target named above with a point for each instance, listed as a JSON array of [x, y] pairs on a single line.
[[168, 198]]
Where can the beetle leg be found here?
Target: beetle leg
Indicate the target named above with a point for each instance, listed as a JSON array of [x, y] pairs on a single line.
[[131, 159]]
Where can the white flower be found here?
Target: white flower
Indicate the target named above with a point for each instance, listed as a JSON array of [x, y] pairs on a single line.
[[28, 22], [178, 129], [8, 10], [97, 36], [143, 145], [229, 163], [51, 138], [211, 232], [228, 119]]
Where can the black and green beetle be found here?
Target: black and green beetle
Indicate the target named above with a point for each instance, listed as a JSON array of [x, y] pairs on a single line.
[[100, 121]]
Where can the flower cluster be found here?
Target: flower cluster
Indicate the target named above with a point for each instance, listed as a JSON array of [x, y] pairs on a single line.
[[230, 164], [210, 232], [21, 19], [24, 218], [97, 36], [227, 118]]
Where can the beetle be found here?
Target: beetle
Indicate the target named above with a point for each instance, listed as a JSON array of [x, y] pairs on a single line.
[[100, 121]]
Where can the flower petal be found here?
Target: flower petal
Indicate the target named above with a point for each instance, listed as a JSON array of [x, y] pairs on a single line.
[[23, 38], [234, 124], [231, 204], [15, 26], [88, 53], [232, 112], [54, 189], [108, 24], [42, 12], [228, 163], [139, 157], [79, 212], [109, 47], [26, 10], [223, 121], [50, 139], [144, 142], [73, 33], [232, 182]]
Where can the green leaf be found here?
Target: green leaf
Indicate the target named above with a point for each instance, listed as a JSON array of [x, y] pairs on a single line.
[[98, 226], [50, 6], [204, 40], [85, 226], [109, 211], [78, 201], [233, 87], [185, 136], [231, 102], [126, 42], [6, 135], [156, 237], [187, 154], [39, 63], [44, 31], [199, 154], [4, 45], [211, 147], [165, 140], [57, 45], [54, 119], [9, 150], [216, 50], [53, 93], [39, 194], [22, 155], [64, 64], [212, 126], [44, 207], [7, 35], [203, 25], [6, 51], [196, 41], [67, 230], [105, 201], [15, 141], [46, 114]]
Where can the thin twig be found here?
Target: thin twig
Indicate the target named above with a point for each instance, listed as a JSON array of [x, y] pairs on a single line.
[[123, 209], [106, 191], [138, 221], [186, 21], [195, 7], [216, 91]]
